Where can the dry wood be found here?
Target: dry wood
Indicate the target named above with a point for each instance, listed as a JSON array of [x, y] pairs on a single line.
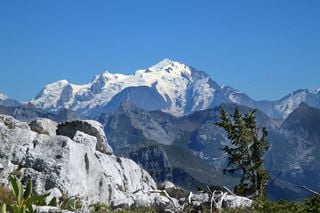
[[166, 194], [189, 197], [229, 190], [309, 190]]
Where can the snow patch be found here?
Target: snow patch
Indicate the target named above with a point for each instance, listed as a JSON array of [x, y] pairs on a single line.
[[3, 96]]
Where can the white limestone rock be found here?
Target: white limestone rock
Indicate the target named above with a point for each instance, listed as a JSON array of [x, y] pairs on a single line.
[[50, 209], [44, 126], [88, 140], [89, 127], [233, 201], [61, 165], [173, 191]]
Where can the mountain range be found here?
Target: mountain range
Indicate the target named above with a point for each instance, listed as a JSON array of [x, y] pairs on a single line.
[[163, 118], [168, 86], [162, 143]]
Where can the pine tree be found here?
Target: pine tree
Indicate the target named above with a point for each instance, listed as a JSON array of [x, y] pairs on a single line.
[[245, 155]]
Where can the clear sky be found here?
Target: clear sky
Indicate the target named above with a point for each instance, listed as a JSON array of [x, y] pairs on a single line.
[[265, 48]]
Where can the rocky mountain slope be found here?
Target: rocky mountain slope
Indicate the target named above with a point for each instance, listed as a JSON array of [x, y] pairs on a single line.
[[5, 101], [130, 125], [282, 108], [296, 155], [153, 138]]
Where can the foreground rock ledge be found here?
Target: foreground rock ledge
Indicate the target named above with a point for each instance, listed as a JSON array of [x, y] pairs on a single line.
[[72, 167]]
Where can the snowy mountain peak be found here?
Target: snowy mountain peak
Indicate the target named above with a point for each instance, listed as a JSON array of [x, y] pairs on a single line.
[[163, 64], [55, 85], [3, 97], [63, 82], [316, 91], [181, 89], [170, 65], [108, 75]]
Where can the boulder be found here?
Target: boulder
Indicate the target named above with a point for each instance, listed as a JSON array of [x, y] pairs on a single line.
[[89, 127], [173, 191], [88, 140], [44, 126], [234, 201]]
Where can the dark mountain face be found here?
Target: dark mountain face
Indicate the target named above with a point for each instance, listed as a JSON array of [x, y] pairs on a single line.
[[298, 152], [28, 113], [9, 103], [25, 113], [304, 122], [67, 115], [176, 165], [291, 158], [130, 127], [196, 132]]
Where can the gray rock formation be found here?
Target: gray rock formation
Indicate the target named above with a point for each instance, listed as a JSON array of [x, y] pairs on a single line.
[[89, 127]]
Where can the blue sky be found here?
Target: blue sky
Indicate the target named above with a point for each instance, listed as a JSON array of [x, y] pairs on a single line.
[[264, 48]]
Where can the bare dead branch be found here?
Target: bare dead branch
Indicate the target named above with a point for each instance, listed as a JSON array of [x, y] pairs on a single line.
[[231, 192], [309, 190]]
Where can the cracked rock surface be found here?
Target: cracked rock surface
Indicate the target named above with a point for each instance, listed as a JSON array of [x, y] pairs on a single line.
[[73, 165]]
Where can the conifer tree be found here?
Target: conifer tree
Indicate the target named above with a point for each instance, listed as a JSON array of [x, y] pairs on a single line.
[[245, 155]]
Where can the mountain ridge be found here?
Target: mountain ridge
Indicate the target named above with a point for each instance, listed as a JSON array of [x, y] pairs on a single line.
[[170, 86]]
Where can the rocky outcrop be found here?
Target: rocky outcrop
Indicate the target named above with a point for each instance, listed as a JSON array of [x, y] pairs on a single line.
[[215, 200], [89, 127], [173, 190], [63, 166], [44, 126]]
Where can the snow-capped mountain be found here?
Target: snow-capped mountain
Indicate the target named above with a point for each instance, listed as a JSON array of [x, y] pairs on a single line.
[[279, 109], [238, 97], [283, 107], [169, 86]]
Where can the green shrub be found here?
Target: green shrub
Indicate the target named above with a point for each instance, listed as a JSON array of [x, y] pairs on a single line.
[[70, 203], [100, 208], [137, 210], [23, 198], [308, 205], [9, 125], [6, 195]]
